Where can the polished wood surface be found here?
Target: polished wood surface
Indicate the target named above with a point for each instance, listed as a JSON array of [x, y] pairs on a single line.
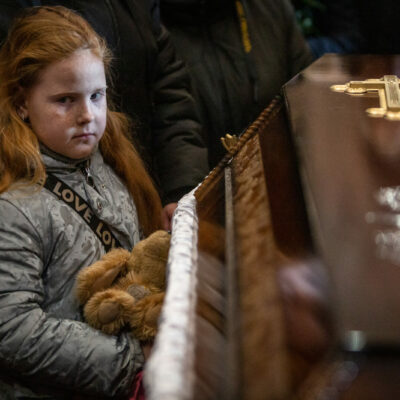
[[349, 163], [348, 159]]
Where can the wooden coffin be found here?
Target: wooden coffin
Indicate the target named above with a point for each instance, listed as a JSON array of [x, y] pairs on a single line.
[[252, 206], [312, 183]]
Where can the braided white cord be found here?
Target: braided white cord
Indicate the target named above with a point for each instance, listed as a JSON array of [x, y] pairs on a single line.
[[169, 370]]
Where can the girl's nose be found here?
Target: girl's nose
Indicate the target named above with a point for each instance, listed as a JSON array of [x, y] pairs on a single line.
[[85, 114]]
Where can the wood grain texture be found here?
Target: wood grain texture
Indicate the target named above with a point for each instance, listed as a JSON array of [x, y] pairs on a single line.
[[264, 354]]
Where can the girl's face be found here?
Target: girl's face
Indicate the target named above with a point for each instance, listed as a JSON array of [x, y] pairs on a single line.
[[67, 106]]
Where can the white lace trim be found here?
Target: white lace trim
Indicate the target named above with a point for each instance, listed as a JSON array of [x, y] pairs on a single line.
[[169, 370]]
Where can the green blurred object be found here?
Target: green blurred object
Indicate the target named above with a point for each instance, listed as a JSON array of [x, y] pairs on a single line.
[[306, 11]]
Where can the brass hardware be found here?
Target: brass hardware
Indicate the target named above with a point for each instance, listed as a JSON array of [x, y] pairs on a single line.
[[229, 142], [388, 91]]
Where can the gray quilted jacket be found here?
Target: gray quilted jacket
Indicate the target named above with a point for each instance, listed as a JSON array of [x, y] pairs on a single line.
[[46, 351]]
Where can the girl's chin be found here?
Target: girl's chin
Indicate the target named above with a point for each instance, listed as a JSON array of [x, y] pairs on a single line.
[[79, 152]]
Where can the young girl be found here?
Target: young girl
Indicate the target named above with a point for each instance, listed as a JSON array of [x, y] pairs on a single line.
[[55, 123]]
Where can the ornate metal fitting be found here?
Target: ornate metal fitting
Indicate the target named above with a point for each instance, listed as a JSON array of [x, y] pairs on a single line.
[[387, 89], [229, 142]]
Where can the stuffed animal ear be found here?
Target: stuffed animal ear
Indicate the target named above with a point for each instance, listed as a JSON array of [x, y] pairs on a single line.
[[155, 246], [102, 274], [148, 262]]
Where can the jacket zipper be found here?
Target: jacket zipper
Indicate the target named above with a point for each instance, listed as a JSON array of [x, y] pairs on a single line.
[[85, 169]]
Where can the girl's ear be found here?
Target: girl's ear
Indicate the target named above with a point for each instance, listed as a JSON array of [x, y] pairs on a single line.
[[21, 108], [22, 113]]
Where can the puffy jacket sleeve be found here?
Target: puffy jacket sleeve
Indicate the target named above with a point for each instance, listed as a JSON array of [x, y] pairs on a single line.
[[181, 155], [48, 351]]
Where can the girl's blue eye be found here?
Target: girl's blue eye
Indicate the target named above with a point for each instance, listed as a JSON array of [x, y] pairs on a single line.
[[97, 96]]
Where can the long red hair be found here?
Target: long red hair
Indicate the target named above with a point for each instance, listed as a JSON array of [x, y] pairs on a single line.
[[39, 37]]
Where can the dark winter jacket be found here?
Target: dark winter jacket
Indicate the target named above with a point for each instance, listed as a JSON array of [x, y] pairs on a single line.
[[46, 351], [150, 84], [232, 87]]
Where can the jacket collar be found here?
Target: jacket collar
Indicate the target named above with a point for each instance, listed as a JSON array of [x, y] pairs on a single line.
[[56, 163]]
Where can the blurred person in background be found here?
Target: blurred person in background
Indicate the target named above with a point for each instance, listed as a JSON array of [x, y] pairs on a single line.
[[239, 53]]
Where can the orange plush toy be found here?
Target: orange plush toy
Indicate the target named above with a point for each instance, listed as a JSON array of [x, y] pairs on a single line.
[[126, 288]]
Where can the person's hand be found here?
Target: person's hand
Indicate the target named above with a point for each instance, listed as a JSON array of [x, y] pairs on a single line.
[[305, 292], [146, 349], [166, 215]]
